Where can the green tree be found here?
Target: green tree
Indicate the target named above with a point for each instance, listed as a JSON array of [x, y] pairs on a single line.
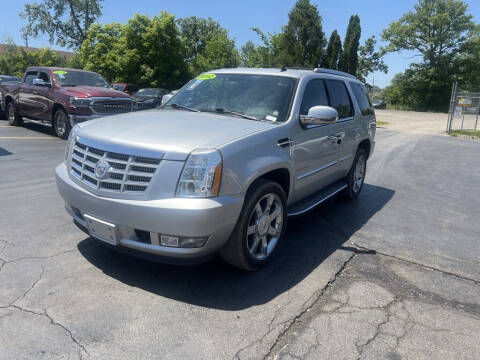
[[334, 51], [349, 59], [66, 22], [207, 45], [146, 51], [437, 30], [265, 55], [369, 60], [302, 40], [467, 62], [220, 52]]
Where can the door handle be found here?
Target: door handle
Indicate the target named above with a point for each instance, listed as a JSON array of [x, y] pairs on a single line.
[[335, 138], [285, 142]]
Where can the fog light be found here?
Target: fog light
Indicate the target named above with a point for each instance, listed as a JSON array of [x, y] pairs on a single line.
[[166, 240], [192, 242]]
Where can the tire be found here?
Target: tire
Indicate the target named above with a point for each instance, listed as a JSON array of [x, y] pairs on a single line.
[[256, 236], [61, 124], [356, 175], [14, 119]]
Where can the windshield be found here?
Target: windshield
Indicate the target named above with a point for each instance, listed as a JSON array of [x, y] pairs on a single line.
[[148, 92], [260, 97], [79, 78]]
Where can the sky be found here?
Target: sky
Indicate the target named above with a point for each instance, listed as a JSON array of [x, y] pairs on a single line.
[[239, 16]]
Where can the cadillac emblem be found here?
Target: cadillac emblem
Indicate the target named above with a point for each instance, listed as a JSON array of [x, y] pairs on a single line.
[[101, 169]]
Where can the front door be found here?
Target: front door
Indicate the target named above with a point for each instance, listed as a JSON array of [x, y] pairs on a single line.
[[43, 99], [316, 148]]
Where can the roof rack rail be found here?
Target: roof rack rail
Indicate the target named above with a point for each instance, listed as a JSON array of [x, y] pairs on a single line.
[[285, 68], [334, 72]]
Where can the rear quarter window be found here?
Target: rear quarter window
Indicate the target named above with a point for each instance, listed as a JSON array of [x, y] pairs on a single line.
[[361, 95]]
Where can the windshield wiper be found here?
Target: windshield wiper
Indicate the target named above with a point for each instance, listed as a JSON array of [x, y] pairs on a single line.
[[176, 106], [226, 111], [69, 85]]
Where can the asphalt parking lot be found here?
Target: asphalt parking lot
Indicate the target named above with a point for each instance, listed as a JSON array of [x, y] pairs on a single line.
[[395, 274]]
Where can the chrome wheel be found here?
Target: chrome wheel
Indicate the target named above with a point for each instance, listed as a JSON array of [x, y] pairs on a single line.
[[11, 114], [60, 123], [359, 173], [265, 226]]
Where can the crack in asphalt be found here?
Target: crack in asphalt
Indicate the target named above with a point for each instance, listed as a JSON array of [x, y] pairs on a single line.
[[37, 257], [476, 282], [313, 300], [53, 322]]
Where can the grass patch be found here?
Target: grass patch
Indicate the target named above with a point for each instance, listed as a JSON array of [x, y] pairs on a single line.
[[382, 123], [470, 134]]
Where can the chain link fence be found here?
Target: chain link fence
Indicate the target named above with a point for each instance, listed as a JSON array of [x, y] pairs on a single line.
[[464, 110]]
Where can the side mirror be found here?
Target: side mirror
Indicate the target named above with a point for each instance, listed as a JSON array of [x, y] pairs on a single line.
[[40, 82], [165, 98], [319, 115]]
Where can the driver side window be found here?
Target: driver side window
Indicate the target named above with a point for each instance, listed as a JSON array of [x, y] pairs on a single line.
[[315, 95]]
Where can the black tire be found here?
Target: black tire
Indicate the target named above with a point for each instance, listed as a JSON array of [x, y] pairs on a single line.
[[236, 252], [61, 124], [14, 119], [353, 186]]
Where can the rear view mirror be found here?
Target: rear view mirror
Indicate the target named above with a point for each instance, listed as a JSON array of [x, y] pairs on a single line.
[[319, 115], [165, 98]]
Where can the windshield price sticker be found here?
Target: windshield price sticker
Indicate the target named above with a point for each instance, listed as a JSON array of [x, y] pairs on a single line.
[[206, 77], [60, 72]]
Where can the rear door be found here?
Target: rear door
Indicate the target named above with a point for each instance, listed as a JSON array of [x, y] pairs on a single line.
[[316, 148], [26, 96], [346, 127]]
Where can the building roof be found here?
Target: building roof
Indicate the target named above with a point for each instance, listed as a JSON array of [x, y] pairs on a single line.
[[67, 55]]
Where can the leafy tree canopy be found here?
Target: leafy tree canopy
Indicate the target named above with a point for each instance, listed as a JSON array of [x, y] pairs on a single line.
[[334, 51], [369, 60], [207, 45], [66, 22]]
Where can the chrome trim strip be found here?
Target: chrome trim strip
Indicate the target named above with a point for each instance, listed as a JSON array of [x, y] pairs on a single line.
[[345, 158], [311, 172], [317, 203]]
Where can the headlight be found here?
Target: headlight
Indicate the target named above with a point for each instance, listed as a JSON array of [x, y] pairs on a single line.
[[201, 174], [80, 102], [70, 141]]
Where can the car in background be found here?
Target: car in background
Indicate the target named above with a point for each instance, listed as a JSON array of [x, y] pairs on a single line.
[[148, 98], [379, 104], [126, 88], [62, 97], [8, 78]]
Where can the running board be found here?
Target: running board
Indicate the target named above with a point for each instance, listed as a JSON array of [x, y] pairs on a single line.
[[312, 201]]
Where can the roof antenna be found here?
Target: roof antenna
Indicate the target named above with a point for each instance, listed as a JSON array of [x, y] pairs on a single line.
[[284, 68]]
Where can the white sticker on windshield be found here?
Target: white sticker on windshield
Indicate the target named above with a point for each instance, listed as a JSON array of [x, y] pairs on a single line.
[[271, 118]]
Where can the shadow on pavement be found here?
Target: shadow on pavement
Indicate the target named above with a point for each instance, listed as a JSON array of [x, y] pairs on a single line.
[[4, 152], [309, 241]]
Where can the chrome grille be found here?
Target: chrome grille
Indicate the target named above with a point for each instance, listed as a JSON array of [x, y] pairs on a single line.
[[126, 173], [112, 106]]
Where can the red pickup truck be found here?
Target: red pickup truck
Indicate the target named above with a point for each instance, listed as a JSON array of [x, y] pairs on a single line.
[[62, 97]]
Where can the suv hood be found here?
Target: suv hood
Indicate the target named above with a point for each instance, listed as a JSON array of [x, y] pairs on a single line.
[[91, 91], [175, 133]]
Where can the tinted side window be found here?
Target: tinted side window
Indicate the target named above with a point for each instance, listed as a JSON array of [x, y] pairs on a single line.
[[44, 77], [340, 99], [315, 95], [30, 76], [362, 99]]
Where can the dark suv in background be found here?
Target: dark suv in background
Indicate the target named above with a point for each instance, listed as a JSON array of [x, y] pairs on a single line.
[[62, 97]]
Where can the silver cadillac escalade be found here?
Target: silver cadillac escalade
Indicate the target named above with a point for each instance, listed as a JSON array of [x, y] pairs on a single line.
[[221, 165]]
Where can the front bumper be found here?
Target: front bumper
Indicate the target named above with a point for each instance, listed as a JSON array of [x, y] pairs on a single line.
[[214, 218]]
